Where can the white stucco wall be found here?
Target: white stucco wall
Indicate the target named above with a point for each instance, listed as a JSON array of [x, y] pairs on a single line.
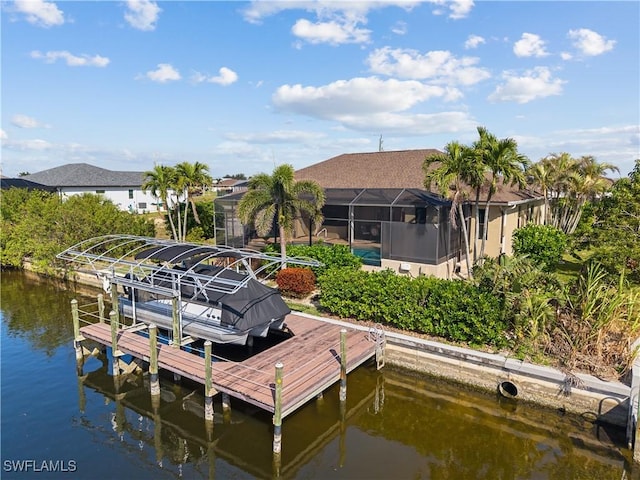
[[140, 203]]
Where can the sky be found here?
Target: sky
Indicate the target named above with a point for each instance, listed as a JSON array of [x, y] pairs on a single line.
[[246, 86]]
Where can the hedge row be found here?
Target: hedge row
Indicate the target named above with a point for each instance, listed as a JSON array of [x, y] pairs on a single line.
[[454, 310], [329, 255]]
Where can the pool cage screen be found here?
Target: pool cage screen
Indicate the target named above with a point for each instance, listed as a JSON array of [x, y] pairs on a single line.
[[396, 224]]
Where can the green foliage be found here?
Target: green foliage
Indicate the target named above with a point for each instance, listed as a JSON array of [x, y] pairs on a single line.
[[616, 233], [38, 225], [455, 310], [331, 256], [296, 282], [527, 295], [599, 322], [543, 244]]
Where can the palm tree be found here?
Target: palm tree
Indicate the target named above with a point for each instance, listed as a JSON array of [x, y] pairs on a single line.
[[159, 182], [569, 184], [455, 170], [541, 174], [191, 178], [279, 197], [504, 163]]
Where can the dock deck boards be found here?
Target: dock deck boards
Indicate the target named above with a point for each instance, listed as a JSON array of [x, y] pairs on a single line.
[[311, 359]]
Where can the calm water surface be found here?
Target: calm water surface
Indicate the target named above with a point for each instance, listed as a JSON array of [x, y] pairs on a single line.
[[396, 425]]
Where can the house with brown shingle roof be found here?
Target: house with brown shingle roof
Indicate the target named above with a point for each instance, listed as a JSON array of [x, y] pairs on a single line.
[[378, 205]]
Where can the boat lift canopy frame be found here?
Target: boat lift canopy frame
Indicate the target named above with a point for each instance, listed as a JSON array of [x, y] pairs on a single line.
[[151, 264]]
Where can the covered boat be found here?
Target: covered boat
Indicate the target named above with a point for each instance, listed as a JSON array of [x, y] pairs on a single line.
[[193, 291]]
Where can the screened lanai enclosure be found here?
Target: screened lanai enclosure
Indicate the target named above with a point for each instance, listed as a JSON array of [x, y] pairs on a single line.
[[407, 225]]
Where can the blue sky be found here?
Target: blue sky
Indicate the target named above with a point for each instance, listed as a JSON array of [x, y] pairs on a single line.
[[244, 86]]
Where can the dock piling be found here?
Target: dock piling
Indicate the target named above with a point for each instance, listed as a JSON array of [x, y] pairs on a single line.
[[153, 361], [114, 300], [101, 308], [343, 365], [277, 421], [208, 385], [113, 316], [176, 323], [77, 338]]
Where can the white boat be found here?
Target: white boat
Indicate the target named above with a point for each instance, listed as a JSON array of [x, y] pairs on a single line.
[[193, 291]]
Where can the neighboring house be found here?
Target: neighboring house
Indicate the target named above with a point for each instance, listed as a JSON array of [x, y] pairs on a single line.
[[124, 189], [377, 204], [7, 183], [230, 185]]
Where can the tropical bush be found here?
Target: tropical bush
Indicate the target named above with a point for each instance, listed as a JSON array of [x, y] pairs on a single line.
[[296, 282], [454, 310], [543, 244], [36, 225]]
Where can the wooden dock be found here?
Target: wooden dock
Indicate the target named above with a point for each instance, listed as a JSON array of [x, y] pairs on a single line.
[[311, 359]]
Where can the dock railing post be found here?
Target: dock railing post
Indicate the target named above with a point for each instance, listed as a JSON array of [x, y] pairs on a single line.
[[343, 364], [153, 360], [77, 339], [101, 308], [208, 383], [113, 316], [277, 421]]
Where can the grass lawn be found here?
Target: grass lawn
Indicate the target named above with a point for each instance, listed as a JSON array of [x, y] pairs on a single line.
[[569, 267]]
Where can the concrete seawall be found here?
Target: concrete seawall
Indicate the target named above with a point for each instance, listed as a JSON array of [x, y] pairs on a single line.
[[595, 399]]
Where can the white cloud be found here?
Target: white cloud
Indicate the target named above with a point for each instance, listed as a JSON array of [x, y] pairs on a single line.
[[324, 9], [142, 14], [473, 41], [457, 9], [34, 144], [615, 144], [333, 32], [566, 56], [70, 59], [163, 74], [400, 28], [226, 77], [277, 136], [439, 66], [355, 97], [589, 42], [411, 124], [530, 45], [3, 135], [534, 84], [40, 12], [24, 121]]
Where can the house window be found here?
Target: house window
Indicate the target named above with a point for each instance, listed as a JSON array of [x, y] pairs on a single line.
[[142, 205], [99, 192], [130, 194], [481, 222]]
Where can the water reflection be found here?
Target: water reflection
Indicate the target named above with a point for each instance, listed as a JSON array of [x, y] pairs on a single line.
[[393, 425]]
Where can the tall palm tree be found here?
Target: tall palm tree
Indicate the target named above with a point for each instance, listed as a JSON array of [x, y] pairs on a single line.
[[191, 178], [160, 181], [504, 163], [450, 177], [541, 174], [279, 197], [571, 183]]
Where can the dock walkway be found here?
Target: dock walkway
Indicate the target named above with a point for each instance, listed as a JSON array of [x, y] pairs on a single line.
[[311, 359]]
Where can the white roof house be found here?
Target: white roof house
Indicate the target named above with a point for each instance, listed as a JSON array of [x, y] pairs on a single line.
[[124, 189]]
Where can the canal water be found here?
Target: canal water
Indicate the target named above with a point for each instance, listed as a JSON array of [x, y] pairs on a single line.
[[396, 425]]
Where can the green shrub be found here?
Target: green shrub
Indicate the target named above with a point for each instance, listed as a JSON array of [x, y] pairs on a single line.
[[454, 310], [296, 282], [329, 255], [543, 244]]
